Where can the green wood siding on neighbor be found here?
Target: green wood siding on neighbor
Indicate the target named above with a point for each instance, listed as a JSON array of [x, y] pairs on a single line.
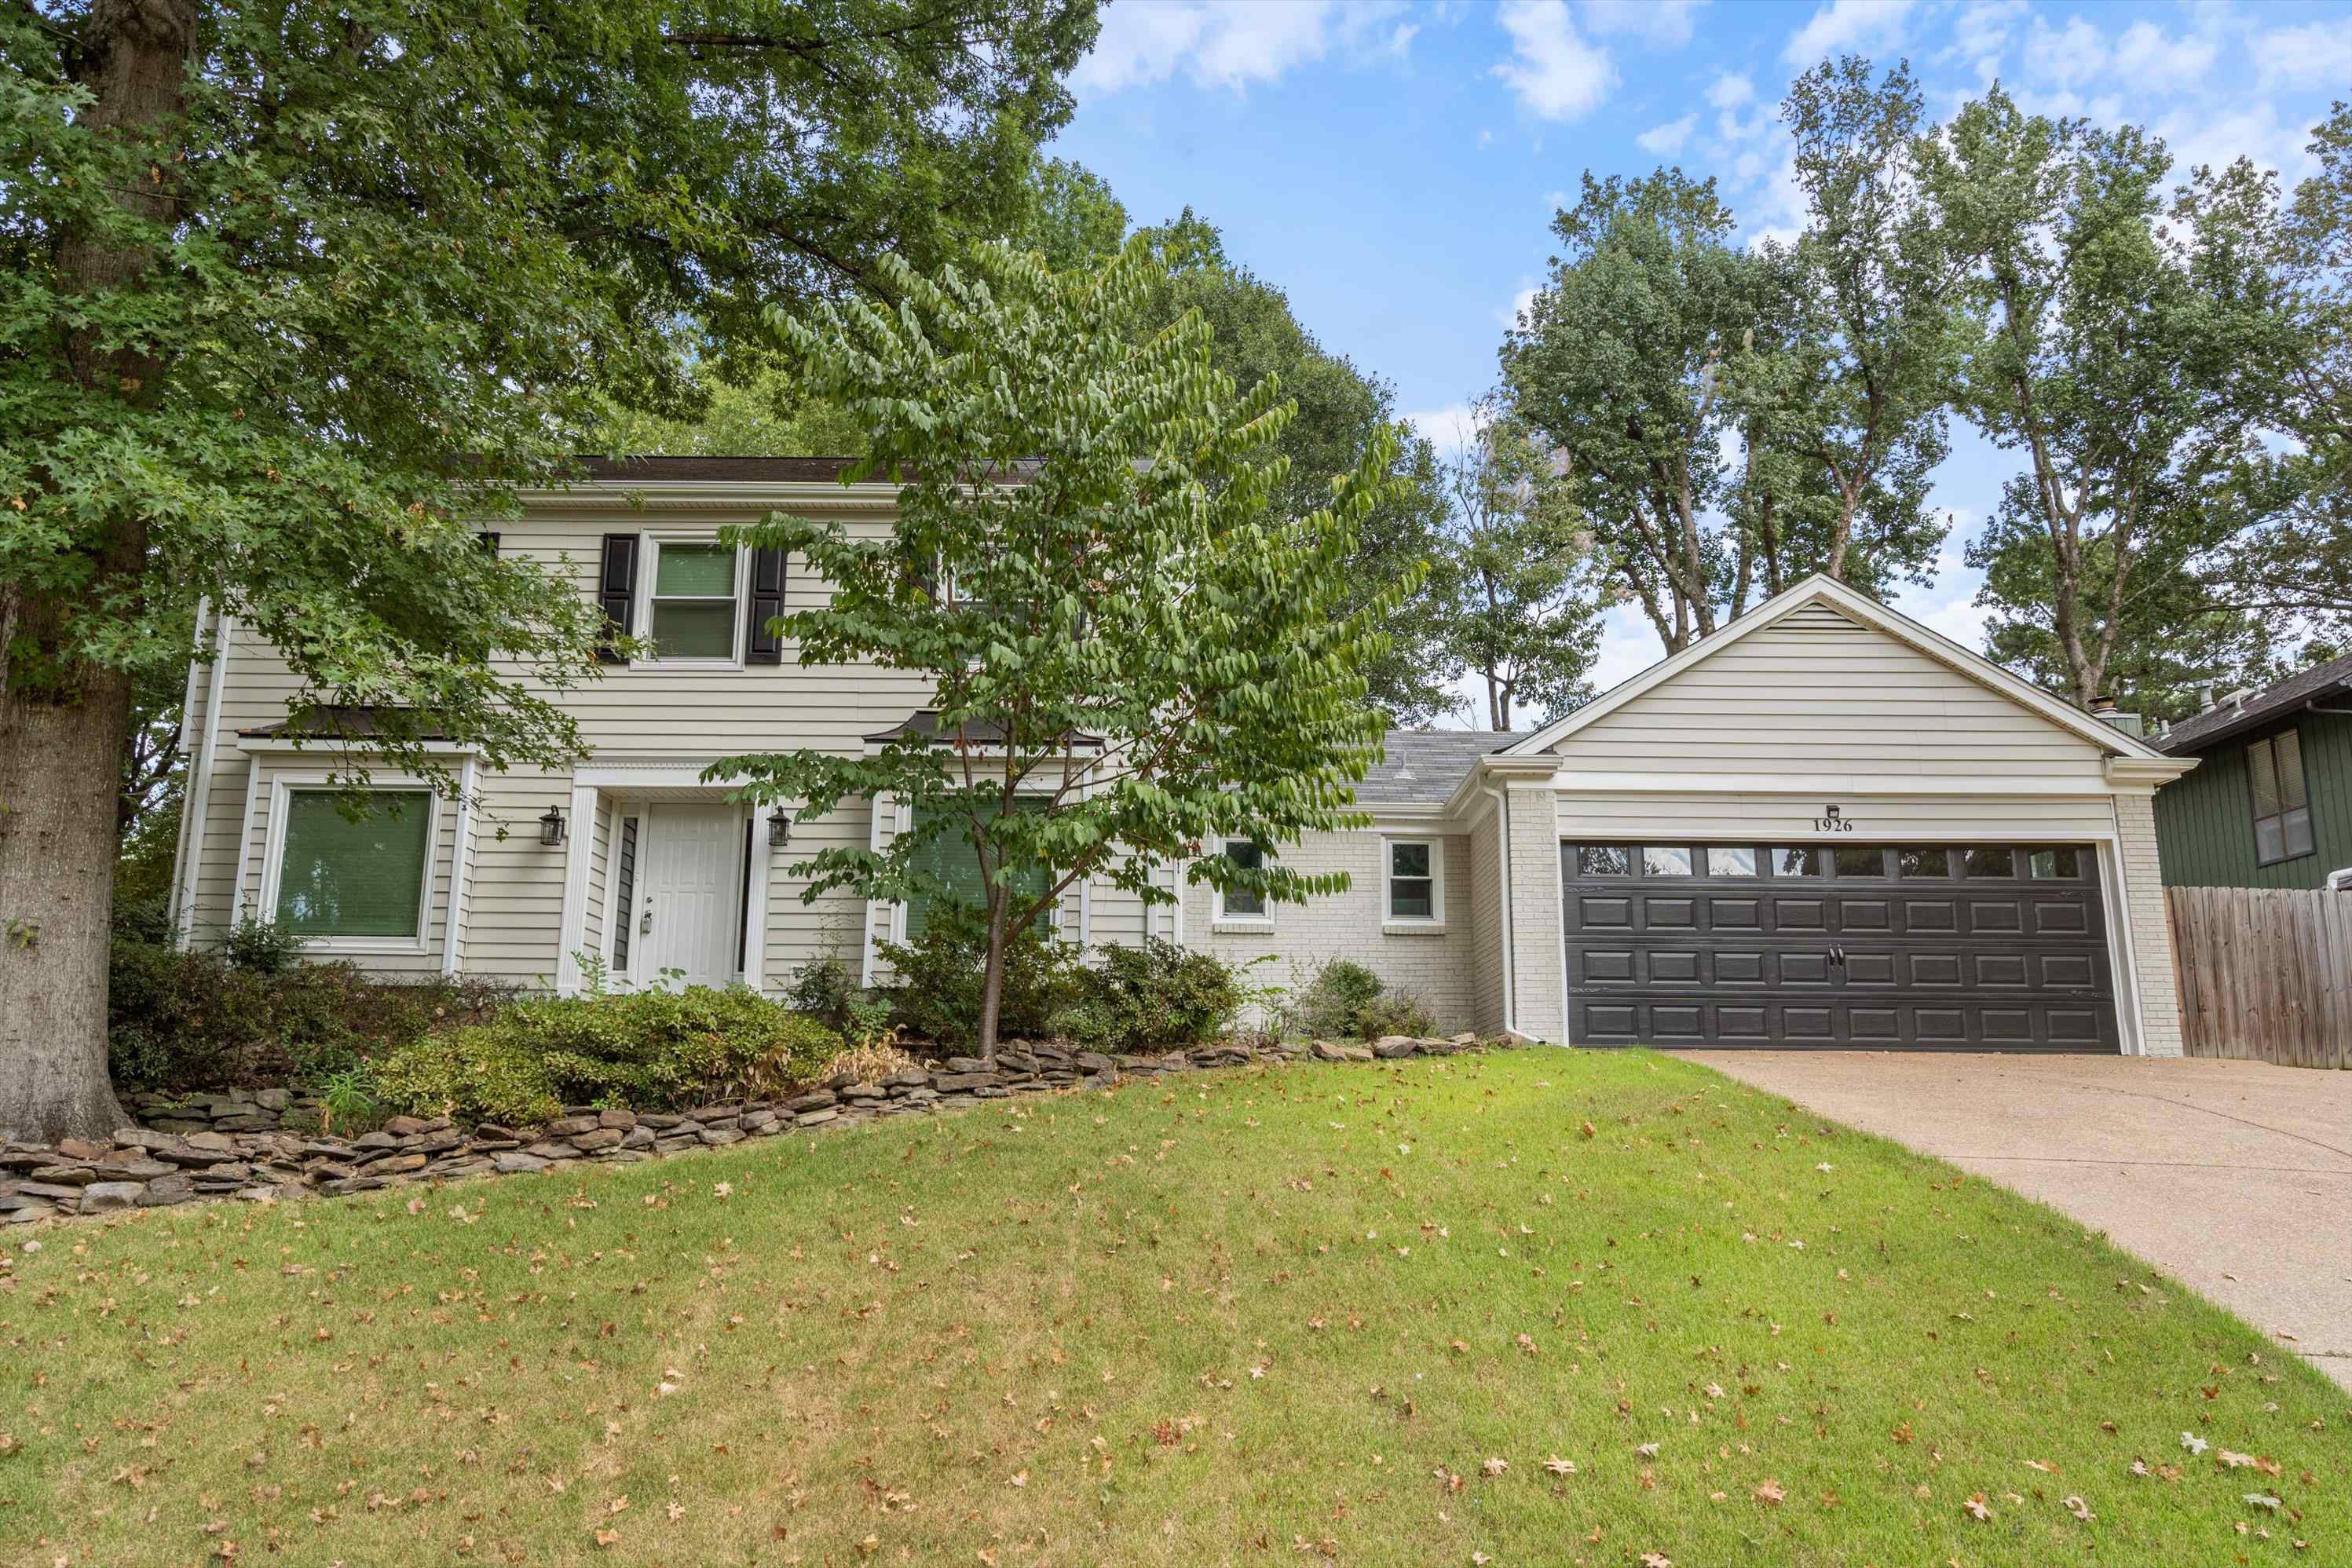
[[2205, 819]]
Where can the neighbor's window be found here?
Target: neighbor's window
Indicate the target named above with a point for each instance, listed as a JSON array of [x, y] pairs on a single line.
[[1723, 861], [1796, 862], [338, 878], [1412, 880], [1924, 862], [1991, 860], [693, 614], [1242, 903], [2052, 865], [1603, 860], [1665, 859], [2281, 806]]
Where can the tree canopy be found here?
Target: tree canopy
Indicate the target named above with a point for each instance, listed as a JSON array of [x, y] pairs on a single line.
[[295, 296], [1136, 651]]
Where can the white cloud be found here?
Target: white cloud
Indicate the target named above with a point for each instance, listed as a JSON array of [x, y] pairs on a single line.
[[1232, 43], [1448, 429], [1729, 92], [2316, 54], [2150, 57], [1556, 73], [1667, 140], [1521, 303], [2253, 130], [2075, 53], [1663, 22], [1981, 36], [1843, 27], [1485, 137]]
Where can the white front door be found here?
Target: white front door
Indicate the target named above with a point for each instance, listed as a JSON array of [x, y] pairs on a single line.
[[690, 896]]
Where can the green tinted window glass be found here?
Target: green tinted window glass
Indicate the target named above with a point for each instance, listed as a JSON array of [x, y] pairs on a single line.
[[951, 859], [342, 878], [691, 570], [694, 629]]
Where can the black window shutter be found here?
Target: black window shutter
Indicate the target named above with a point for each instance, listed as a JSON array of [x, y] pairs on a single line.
[[616, 591], [767, 602], [488, 541]]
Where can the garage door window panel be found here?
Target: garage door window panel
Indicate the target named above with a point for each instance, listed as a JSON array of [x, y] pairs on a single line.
[[1667, 860], [1799, 861], [1860, 862]]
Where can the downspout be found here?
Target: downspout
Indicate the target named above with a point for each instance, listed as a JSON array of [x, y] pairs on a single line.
[[1503, 854]]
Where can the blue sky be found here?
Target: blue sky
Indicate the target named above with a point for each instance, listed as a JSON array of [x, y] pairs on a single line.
[[1394, 164]]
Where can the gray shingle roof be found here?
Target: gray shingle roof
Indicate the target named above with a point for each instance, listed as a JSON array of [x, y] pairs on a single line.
[[2203, 729], [1423, 766]]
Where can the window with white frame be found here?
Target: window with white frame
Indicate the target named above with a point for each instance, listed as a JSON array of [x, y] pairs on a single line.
[[1242, 903], [361, 879], [693, 609], [1413, 896], [2282, 802]]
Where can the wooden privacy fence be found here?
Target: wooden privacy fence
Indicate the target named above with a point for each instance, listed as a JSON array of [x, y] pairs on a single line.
[[2264, 974]]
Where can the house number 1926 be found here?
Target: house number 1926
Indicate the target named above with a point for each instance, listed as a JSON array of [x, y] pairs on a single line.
[[1831, 821]]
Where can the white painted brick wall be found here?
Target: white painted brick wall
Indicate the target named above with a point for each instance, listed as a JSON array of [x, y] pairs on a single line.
[[1540, 1008], [1435, 966], [2150, 927]]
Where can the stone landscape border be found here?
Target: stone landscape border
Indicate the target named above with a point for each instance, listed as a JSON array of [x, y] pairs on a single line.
[[232, 1147]]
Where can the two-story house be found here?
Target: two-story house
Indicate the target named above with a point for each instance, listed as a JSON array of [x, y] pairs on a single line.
[[1824, 825]]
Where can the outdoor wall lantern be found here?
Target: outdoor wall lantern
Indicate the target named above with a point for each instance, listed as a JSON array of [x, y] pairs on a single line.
[[550, 827], [779, 829]]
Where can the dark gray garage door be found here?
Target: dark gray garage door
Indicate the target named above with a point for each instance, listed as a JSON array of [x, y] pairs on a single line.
[[1816, 945]]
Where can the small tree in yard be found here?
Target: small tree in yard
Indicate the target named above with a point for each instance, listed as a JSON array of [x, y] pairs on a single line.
[[1133, 657]]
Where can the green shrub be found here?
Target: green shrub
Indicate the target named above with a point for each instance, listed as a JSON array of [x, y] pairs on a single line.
[[1157, 994], [203, 1020], [1326, 1007], [648, 1049], [1394, 1012], [941, 974]]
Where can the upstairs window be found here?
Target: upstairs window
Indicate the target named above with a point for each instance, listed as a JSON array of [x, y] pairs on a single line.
[[692, 611], [2281, 805]]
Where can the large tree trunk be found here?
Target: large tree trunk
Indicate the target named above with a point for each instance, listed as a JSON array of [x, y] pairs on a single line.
[[64, 721], [59, 759]]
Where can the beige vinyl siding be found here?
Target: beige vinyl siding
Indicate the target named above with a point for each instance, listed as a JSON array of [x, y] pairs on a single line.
[[1816, 695], [1777, 819], [515, 907]]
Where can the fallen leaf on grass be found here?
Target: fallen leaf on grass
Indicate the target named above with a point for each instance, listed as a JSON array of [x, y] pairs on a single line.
[[1494, 1467], [1770, 1494], [1975, 1509], [2078, 1508]]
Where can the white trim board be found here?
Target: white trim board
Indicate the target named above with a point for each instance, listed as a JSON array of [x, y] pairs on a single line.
[[1870, 613]]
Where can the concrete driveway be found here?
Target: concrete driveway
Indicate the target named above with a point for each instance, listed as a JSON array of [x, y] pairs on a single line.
[[2233, 1177]]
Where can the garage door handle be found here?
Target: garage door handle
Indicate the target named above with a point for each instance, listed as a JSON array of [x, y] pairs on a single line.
[[1837, 957]]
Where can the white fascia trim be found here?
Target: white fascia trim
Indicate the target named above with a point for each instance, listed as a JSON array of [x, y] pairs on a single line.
[[2141, 774], [1822, 590], [280, 746], [649, 773], [1500, 769]]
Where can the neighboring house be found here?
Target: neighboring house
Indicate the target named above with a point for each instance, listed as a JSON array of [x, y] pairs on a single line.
[[1824, 825], [2270, 804]]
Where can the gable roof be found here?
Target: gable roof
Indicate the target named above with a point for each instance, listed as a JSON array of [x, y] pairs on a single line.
[[2275, 701], [1819, 589]]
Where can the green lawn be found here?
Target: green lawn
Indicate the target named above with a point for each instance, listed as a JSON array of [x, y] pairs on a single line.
[[1543, 1307]]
